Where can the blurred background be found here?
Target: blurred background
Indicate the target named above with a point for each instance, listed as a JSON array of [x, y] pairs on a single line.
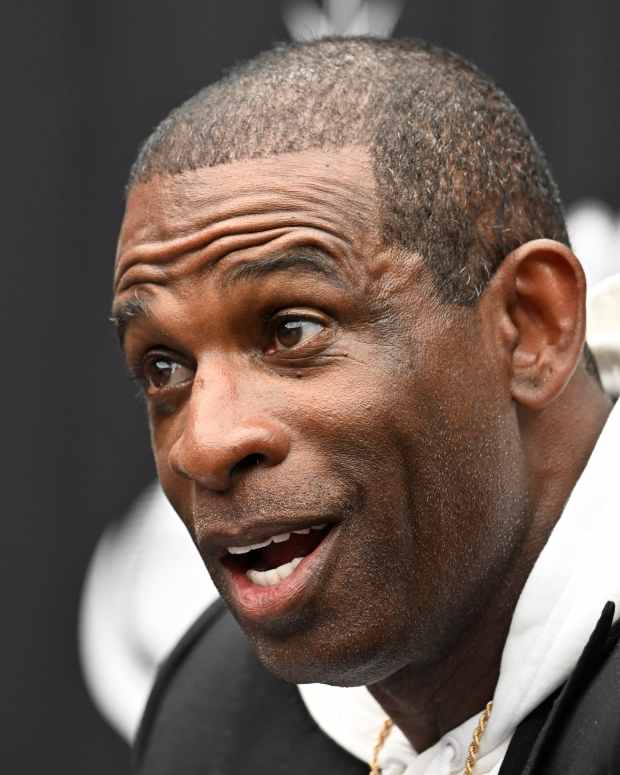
[[84, 83]]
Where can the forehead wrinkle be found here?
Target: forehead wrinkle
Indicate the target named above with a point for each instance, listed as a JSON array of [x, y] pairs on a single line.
[[257, 227], [345, 200], [141, 263], [171, 216], [230, 245], [278, 245], [148, 248], [256, 185], [325, 187], [172, 220]]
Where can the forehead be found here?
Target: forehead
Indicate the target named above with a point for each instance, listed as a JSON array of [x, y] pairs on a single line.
[[329, 192]]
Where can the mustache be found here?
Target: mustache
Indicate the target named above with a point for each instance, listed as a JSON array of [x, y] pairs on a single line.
[[310, 499]]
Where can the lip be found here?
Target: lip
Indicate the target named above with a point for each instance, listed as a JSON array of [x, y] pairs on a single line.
[[256, 603], [217, 543]]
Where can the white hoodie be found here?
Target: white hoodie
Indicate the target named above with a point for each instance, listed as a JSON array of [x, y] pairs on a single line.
[[576, 573]]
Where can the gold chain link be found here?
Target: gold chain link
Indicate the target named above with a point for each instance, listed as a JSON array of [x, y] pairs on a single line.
[[472, 752], [474, 746], [383, 735]]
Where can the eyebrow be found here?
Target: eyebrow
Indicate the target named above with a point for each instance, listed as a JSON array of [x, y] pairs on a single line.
[[301, 260], [122, 314]]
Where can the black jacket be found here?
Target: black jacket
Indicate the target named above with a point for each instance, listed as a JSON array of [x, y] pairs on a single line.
[[215, 710]]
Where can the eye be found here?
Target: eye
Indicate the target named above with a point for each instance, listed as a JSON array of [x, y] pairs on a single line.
[[161, 371], [291, 332]]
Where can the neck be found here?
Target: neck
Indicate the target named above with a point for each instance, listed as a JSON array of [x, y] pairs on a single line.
[[426, 703]]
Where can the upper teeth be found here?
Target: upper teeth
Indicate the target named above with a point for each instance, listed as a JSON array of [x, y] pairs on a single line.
[[277, 539]]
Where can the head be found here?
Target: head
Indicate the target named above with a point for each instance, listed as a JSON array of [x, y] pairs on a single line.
[[344, 281]]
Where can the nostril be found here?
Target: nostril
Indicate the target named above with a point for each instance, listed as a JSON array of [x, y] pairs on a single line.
[[214, 457], [249, 461]]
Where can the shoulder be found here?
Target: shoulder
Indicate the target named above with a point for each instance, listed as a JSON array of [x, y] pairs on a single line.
[[215, 709], [588, 727], [576, 731], [175, 664]]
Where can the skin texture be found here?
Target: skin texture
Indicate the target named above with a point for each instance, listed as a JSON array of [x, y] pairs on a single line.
[[434, 436]]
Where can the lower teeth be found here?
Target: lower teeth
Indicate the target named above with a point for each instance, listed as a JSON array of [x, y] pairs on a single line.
[[269, 578]]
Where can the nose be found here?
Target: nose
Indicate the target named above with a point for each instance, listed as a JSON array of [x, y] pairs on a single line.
[[222, 437]]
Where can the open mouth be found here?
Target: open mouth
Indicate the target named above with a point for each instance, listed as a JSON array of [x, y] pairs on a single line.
[[273, 560]]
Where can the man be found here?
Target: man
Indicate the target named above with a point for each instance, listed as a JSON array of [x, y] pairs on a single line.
[[344, 282]]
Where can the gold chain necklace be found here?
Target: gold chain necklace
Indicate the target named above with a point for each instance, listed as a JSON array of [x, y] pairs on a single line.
[[472, 751]]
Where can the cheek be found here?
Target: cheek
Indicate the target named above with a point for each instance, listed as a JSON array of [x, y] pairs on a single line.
[[458, 435], [468, 485], [347, 430]]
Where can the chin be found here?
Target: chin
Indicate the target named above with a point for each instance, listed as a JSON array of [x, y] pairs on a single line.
[[302, 660]]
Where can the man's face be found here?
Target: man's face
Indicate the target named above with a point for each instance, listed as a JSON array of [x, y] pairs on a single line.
[[300, 376]]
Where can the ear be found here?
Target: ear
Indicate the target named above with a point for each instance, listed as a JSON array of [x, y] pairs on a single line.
[[540, 292]]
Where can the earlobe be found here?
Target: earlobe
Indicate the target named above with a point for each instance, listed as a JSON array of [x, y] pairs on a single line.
[[545, 300]]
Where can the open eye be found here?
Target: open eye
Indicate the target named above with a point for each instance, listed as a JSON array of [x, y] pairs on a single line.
[[290, 332], [162, 371]]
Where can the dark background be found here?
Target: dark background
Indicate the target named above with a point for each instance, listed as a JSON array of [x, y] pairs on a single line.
[[84, 82]]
